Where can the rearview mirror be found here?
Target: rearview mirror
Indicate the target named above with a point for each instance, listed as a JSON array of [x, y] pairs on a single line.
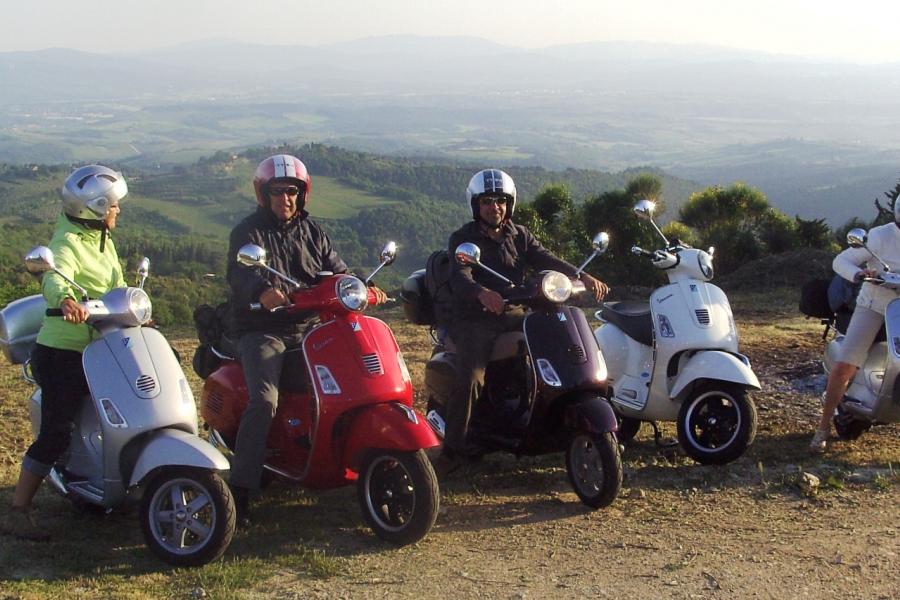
[[39, 260], [252, 255]]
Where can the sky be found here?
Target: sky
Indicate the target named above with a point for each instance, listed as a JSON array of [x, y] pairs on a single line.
[[861, 31]]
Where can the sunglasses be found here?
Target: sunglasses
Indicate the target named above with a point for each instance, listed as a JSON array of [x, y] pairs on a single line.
[[280, 191], [488, 200]]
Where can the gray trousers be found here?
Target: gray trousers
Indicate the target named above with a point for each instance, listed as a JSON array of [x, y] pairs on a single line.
[[474, 343], [262, 356]]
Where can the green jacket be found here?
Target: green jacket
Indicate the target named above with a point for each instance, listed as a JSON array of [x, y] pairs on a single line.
[[76, 251]]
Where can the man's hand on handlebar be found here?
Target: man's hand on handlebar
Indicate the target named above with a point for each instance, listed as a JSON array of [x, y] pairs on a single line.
[[272, 298], [491, 301], [595, 286], [380, 295], [73, 312]]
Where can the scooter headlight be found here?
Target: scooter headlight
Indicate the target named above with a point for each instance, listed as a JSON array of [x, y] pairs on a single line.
[[139, 306], [556, 287], [352, 293]]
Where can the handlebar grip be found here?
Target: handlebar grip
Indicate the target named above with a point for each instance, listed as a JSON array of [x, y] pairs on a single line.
[[54, 312]]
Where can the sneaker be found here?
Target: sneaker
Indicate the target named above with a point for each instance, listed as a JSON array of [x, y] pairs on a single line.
[[21, 524], [819, 441]]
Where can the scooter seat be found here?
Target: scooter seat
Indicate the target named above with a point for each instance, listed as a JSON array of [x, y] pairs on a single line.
[[631, 317]]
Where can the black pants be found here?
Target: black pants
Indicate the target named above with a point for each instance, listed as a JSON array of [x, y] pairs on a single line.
[[63, 386], [474, 342]]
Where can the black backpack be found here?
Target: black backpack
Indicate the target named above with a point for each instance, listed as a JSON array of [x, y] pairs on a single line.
[[438, 269], [211, 323], [426, 295]]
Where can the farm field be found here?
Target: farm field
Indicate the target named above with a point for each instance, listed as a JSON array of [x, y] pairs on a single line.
[[512, 528]]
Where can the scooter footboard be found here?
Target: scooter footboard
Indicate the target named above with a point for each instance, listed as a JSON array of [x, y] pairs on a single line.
[[591, 414], [173, 447], [389, 425]]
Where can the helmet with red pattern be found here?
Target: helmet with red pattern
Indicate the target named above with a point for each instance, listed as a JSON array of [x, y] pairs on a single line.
[[282, 168]]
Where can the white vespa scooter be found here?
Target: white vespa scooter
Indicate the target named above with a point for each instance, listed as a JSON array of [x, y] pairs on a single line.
[[873, 396], [136, 439], [676, 358]]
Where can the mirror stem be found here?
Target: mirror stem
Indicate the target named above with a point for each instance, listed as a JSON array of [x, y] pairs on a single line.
[[585, 263], [372, 274]]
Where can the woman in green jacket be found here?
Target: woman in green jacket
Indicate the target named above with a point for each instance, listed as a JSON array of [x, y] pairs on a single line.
[[83, 252]]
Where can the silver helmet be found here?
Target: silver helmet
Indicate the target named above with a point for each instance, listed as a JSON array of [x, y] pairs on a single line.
[[491, 181], [89, 192]]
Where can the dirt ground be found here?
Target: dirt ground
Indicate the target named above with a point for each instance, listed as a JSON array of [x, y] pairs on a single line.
[[512, 528]]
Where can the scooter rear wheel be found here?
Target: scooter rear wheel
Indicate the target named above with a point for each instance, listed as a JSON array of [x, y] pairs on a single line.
[[398, 494], [594, 466], [187, 516]]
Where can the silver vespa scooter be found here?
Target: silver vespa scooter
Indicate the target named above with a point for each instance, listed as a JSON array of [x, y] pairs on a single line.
[[873, 396], [136, 439]]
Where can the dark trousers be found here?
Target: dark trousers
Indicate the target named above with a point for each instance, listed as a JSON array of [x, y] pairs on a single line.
[[63, 387], [474, 340], [262, 358]]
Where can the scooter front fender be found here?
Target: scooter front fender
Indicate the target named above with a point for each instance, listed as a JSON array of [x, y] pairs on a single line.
[[389, 425], [716, 365], [591, 414], [173, 447]]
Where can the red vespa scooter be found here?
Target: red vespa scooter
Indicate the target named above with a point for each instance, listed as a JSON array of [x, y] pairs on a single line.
[[345, 407]]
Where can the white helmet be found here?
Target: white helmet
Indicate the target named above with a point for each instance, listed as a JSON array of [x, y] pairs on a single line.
[[89, 192], [491, 181]]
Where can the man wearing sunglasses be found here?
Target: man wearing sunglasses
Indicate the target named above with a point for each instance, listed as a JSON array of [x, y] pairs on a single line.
[[479, 312], [298, 247]]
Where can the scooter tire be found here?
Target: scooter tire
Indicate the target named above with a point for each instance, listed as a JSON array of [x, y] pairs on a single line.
[[203, 532], [398, 494], [706, 446], [594, 467], [849, 428]]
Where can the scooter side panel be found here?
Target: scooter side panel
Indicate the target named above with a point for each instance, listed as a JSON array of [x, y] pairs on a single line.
[[630, 365], [887, 409]]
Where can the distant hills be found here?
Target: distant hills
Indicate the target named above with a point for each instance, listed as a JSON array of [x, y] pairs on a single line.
[[819, 138]]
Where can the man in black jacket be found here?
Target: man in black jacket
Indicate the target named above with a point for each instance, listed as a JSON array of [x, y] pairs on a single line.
[[297, 247], [479, 312]]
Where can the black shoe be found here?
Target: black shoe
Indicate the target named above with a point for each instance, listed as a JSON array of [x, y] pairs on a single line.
[[241, 497]]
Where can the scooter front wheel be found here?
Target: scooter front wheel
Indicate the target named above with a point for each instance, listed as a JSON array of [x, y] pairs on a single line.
[[716, 423], [594, 466], [187, 516], [398, 494]]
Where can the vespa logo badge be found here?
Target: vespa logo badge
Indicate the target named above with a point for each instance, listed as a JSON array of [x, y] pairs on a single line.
[[661, 300], [665, 328], [561, 317], [127, 343], [693, 287], [355, 326]]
